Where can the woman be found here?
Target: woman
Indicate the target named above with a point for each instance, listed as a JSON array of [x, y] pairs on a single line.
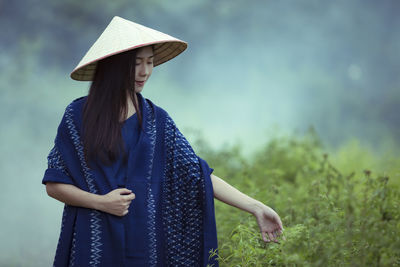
[[135, 192]]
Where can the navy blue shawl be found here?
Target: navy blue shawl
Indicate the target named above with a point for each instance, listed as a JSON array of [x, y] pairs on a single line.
[[180, 224]]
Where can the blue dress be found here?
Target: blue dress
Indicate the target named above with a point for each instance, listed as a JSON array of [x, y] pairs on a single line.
[[135, 219], [171, 221], [130, 135]]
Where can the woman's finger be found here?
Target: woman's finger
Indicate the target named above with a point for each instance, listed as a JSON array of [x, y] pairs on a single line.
[[280, 223], [278, 233], [264, 236], [274, 234], [271, 236]]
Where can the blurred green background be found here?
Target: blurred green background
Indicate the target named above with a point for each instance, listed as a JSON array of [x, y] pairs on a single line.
[[255, 73]]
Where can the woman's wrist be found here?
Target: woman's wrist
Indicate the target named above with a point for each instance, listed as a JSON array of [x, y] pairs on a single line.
[[257, 208], [98, 201]]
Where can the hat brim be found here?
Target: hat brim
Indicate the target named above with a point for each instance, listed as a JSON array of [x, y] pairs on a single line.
[[163, 51]]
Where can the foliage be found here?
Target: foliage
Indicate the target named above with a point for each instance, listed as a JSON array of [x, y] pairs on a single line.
[[330, 218]]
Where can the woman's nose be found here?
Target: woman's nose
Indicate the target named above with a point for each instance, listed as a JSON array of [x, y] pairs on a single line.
[[144, 70]]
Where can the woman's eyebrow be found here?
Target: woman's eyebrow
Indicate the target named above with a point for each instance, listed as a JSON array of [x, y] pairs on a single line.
[[144, 57]]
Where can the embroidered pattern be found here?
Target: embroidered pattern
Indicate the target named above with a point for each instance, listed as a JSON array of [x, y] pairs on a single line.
[[60, 240], [95, 227], [55, 161], [72, 254], [151, 132], [183, 200]]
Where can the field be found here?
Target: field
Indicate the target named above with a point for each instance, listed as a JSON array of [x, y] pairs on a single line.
[[336, 210]]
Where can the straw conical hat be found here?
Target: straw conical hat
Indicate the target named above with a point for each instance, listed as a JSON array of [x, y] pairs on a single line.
[[122, 35]]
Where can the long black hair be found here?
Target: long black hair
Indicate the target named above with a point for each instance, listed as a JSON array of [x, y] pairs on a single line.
[[106, 104]]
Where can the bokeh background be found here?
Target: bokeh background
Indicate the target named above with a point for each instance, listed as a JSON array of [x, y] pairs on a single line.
[[254, 71]]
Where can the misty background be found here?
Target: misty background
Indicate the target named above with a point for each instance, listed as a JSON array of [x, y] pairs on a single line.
[[252, 70]]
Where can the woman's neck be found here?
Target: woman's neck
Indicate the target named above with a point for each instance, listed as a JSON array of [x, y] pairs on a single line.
[[131, 107]]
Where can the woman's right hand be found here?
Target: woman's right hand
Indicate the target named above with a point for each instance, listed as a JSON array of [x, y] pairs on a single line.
[[117, 202]]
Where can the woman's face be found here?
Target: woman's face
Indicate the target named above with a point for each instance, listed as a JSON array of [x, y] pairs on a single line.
[[144, 67]]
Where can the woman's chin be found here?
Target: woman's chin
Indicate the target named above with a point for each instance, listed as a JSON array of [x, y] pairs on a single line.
[[138, 89]]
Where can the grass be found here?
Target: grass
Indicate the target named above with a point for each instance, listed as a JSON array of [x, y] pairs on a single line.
[[336, 211]]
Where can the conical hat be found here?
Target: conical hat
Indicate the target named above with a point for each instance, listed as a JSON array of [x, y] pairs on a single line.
[[122, 35]]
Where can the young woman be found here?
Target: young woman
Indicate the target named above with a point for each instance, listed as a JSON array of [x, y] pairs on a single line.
[[135, 192]]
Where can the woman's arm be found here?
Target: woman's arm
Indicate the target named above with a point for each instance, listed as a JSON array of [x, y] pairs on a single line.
[[268, 220], [231, 196], [115, 202]]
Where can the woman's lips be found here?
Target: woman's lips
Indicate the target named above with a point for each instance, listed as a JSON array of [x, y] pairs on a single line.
[[140, 83]]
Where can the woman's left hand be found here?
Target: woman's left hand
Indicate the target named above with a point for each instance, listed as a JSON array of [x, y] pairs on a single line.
[[270, 223]]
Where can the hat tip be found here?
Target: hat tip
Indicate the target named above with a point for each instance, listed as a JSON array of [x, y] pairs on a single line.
[[116, 18]]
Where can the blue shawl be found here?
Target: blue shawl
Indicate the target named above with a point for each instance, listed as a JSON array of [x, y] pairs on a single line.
[[179, 227]]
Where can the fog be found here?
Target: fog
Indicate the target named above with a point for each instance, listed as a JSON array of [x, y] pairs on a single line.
[[252, 70]]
